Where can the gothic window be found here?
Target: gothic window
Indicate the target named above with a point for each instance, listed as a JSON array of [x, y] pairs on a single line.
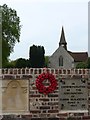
[[60, 61]]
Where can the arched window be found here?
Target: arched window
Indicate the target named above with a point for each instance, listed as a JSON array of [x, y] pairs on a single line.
[[60, 61]]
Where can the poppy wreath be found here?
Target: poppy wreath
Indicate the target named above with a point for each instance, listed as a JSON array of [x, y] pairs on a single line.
[[46, 89]]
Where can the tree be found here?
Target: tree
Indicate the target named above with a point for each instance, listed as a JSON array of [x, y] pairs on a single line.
[[11, 64], [85, 64], [81, 65], [36, 56], [22, 63], [46, 61], [10, 32], [88, 63]]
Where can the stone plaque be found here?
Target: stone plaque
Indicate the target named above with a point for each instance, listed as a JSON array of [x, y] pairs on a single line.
[[73, 94], [15, 96]]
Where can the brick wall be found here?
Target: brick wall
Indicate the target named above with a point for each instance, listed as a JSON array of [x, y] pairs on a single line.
[[40, 105]]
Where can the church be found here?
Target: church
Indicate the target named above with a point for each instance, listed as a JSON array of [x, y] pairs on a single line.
[[63, 58]]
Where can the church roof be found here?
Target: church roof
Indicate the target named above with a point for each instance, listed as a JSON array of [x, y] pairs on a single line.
[[79, 56], [62, 38]]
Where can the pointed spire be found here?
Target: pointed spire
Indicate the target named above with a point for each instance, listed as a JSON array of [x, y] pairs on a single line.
[[62, 39]]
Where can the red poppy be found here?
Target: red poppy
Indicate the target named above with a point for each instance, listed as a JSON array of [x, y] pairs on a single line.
[[46, 89]]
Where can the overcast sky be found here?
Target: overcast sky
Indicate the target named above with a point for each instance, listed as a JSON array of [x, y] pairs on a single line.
[[42, 22]]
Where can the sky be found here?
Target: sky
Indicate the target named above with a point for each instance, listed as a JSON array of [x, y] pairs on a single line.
[[42, 21]]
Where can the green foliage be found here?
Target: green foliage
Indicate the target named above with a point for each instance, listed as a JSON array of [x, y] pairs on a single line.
[[88, 63], [10, 32], [46, 61], [22, 63], [36, 56], [11, 64], [84, 64], [19, 63], [81, 65]]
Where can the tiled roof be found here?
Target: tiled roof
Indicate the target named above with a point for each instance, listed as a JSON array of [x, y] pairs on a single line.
[[79, 56]]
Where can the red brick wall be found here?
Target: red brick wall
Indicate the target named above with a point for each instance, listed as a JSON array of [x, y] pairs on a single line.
[[41, 105]]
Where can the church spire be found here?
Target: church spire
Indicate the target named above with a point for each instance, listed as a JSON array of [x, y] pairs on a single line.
[[62, 39]]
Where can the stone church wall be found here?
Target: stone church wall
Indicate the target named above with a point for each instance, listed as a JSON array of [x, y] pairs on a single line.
[[21, 97], [68, 61]]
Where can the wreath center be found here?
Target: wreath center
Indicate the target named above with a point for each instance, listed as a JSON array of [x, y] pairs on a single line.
[[46, 83]]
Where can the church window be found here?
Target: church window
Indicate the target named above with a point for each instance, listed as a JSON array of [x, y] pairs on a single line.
[[60, 61]]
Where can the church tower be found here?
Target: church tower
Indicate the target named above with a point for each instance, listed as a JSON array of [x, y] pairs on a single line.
[[62, 40]]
